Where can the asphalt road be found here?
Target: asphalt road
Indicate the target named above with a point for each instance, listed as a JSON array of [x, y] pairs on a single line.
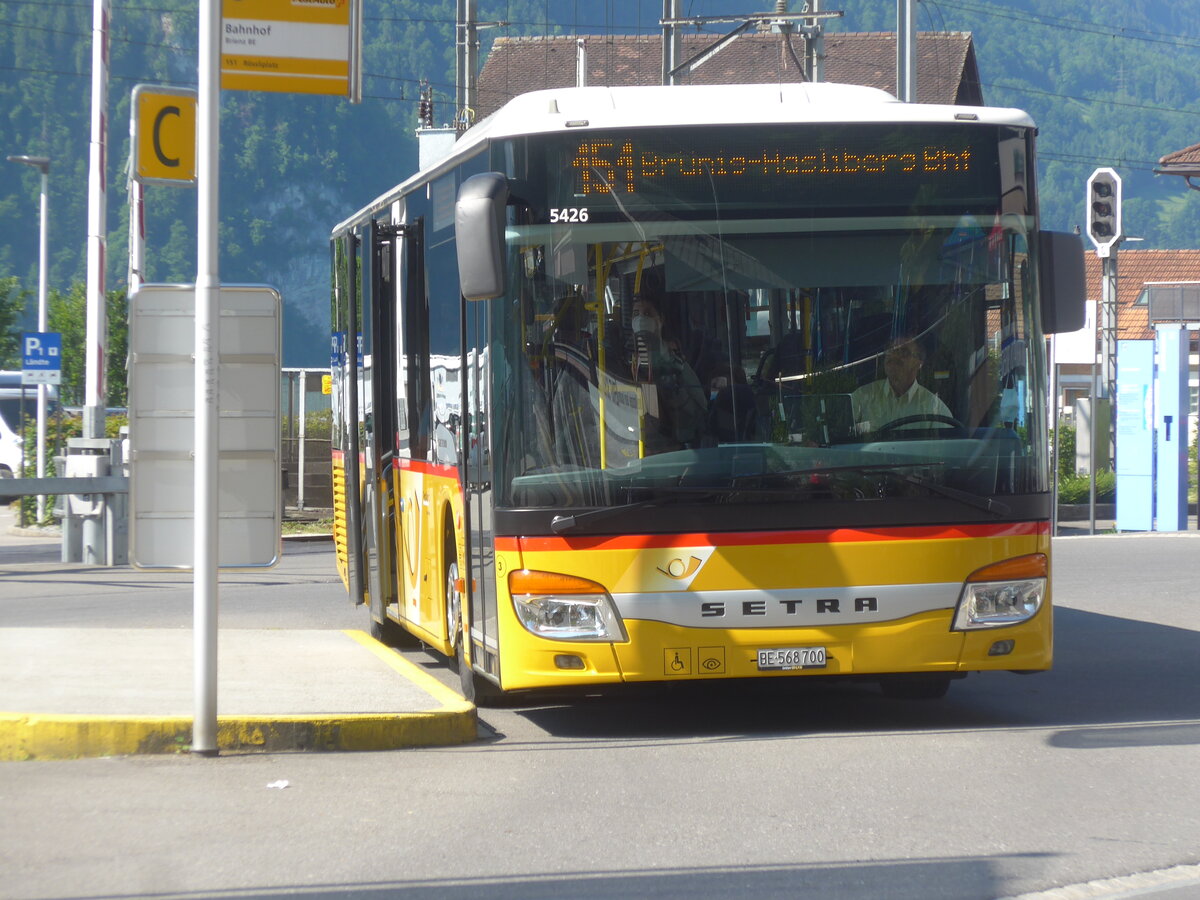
[[1011, 784]]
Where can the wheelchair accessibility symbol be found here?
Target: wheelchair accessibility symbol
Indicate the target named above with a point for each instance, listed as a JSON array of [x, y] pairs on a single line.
[[677, 661]]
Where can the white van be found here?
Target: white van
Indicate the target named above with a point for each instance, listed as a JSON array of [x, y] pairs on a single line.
[[10, 450], [11, 391]]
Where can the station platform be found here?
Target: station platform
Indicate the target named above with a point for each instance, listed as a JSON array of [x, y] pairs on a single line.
[[68, 692]]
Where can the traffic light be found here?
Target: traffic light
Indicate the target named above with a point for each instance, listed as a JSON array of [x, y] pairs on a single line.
[[1104, 210]]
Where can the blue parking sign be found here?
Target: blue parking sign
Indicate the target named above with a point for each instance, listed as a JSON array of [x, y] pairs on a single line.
[[41, 357]]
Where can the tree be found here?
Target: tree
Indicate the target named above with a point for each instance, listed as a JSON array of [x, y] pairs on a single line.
[[67, 314], [12, 303]]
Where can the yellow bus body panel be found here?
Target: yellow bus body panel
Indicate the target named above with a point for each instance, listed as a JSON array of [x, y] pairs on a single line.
[[661, 651], [340, 544]]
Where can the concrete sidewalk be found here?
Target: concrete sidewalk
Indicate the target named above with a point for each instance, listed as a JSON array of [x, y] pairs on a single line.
[[69, 692]]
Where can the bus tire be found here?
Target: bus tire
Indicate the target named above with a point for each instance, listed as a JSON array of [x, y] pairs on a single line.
[[475, 688], [392, 633], [917, 686]]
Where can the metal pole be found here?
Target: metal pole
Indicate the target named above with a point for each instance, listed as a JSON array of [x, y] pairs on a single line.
[[42, 164], [465, 61], [137, 235], [43, 257], [302, 435], [906, 50], [1055, 435], [1108, 265], [208, 286], [671, 42], [815, 45], [97, 338], [21, 465], [1092, 429]]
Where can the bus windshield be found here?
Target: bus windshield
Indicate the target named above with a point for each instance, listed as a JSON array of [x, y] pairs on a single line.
[[711, 339]]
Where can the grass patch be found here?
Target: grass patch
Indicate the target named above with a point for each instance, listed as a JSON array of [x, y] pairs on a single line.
[[308, 526], [1077, 488]]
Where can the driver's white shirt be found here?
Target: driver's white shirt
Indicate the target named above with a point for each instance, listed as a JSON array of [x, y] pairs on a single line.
[[876, 405]]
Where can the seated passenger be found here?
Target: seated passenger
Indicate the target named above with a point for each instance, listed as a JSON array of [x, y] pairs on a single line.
[[897, 396], [676, 407]]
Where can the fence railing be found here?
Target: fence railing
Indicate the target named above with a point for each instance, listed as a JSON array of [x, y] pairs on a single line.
[[306, 420]]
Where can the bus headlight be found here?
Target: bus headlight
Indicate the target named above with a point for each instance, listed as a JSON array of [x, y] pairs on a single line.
[[564, 607], [1005, 593]]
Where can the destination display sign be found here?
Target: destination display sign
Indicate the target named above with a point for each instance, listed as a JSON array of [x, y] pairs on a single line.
[[824, 167]]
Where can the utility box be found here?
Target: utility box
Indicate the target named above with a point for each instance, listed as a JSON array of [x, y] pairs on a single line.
[[1171, 425], [1084, 425], [1135, 435], [108, 542]]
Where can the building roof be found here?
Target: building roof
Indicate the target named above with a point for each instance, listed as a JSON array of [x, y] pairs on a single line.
[[1184, 162], [947, 71], [1136, 269], [1188, 156]]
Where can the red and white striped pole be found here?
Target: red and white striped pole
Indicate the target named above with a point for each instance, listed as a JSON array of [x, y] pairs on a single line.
[[94, 388], [92, 532]]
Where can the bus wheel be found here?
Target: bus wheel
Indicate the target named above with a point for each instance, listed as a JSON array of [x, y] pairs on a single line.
[[478, 690], [390, 633], [918, 686]]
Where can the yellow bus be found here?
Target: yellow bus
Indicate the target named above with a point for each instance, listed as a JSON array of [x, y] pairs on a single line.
[[650, 384]]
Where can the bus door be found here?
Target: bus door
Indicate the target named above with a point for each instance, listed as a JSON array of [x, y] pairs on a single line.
[[481, 583], [414, 402], [378, 417]]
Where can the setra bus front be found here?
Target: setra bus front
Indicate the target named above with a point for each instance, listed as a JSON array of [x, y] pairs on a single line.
[[763, 401]]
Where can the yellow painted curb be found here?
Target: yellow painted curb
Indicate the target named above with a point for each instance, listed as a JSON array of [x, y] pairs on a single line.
[[26, 736]]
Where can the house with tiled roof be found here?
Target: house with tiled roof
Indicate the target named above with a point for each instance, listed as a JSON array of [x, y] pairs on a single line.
[[1185, 162], [1137, 270], [947, 70]]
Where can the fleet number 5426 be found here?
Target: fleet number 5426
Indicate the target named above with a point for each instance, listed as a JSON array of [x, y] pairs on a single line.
[[569, 214]]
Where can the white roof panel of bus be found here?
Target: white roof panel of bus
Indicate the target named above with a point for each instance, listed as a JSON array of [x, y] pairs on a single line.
[[586, 108]]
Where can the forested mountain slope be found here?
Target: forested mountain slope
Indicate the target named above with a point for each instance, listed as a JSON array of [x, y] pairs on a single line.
[[1109, 84]]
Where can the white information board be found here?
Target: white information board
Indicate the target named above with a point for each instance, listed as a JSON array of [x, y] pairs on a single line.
[[162, 426]]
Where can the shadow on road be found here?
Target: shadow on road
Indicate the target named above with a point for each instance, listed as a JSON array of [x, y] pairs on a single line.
[[952, 878], [1108, 672]]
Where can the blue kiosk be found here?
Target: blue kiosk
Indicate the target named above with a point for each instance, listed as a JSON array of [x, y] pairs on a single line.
[[1153, 410]]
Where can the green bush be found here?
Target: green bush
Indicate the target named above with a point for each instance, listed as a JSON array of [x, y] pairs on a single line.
[[1066, 449], [1077, 488], [318, 425]]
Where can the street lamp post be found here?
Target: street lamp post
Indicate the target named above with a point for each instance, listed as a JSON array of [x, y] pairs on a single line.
[[42, 164]]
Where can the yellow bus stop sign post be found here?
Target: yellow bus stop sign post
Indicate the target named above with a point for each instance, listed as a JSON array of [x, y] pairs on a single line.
[[164, 139]]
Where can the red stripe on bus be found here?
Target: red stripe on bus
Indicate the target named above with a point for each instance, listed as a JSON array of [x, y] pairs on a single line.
[[753, 538], [412, 465], [425, 468]]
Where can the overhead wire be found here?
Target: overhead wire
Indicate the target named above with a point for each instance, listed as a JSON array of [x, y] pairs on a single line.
[[1043, 19]]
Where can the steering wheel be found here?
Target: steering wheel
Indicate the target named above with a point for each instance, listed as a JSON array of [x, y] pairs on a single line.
[[958, 428]]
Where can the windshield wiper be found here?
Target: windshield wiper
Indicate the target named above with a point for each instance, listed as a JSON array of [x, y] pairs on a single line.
[[834, 470], [987, 504], [978, 501], [560, 524]]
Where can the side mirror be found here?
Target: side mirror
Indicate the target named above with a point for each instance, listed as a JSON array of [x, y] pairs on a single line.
[[1064, 287], [479, 234]]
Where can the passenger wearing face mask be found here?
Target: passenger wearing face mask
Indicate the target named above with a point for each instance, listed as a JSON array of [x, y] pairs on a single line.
[[675, 404]]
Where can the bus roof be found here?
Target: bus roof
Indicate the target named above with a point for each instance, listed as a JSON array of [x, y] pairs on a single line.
[[581, 109]]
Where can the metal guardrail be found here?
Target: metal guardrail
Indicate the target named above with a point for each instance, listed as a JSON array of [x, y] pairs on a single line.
[[33, 487]]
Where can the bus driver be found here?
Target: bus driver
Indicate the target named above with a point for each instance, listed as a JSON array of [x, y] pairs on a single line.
[[897, 395]]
